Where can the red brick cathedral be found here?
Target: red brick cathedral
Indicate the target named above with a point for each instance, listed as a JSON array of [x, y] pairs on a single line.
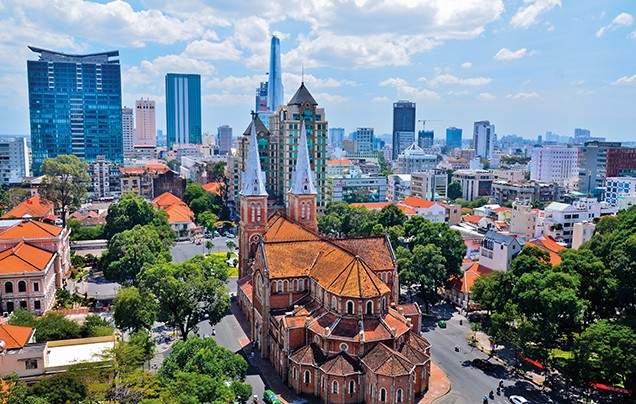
[[325, 311]]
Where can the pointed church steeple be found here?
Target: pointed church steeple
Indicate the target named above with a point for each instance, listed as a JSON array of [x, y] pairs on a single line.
[[301, 207], [303, 179], [253, 178]]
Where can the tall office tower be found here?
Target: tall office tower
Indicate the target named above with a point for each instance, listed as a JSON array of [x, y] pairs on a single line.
[[183, 109], [425, 138], [145, 124], [554, 163], [127, 130], [161, 138], [261, 98], [593, 164], [403, 126], [363, 141], [75, 106], [453, 137], [14, 160], [282, 146], [275, 81], [336, 136], [224, 136], [581, 135], [484, 139]]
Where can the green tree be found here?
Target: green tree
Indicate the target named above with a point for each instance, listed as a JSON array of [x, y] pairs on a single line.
[[60, 389], [129, 251], [65, 183], [494, 292], [423, 269], [10, 197], [95, 326], [454, 190], [606, 352], [187, 293], [143, 340], [54, 326], [207, 219], [530, 259], [80, 232], [132, 210], [391, 215], [23, 318], [134, 309]]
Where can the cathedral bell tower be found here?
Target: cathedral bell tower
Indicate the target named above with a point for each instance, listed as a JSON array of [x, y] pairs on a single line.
[[253, 204], [301, 207]]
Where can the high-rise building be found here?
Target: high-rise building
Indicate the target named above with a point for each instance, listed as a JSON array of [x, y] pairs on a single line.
[[336, 136], [593, 166], [75, 105], [581, 135], [363, 141], [127, 130], [145, 124], [275, 81], [261, 98], [484, 139], [15, 163], [161, 138], [453, 137], [183, 109], [554, 163], [403, 126], [425, 138], [224, 135]]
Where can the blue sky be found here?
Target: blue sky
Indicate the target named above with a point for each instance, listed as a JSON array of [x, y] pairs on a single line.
[[529, 66]]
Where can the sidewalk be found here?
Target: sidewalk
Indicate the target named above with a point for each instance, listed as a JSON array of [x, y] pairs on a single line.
[[439, 385]]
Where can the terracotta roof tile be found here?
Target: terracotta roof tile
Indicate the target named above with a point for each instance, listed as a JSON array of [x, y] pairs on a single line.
[[375, 251], [339, 162], [24, 257], [375, 330], [179, 214], [30, 229], [213, 187], [309, 355], [416, 348], [385, 361], [464, 283], [409, 309], [245, 284], [355, 279], [342, 364], [549, 245], [321, 321], [346, 328], [474, 219], [418, 202], [35, 206], [15, 336], [282, 229], [167, 199]]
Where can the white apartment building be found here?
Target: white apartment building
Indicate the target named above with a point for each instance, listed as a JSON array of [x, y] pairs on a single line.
[[127, 130], [558, 219], [14, 161], [484, 139], [398, 187], [145, 123], [497, 250], [523, 220], [475, 183], [620, 191], [429, 185], [415, 159], [554, 163]]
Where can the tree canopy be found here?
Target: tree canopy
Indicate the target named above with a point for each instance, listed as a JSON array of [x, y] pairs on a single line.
[[132, 210], [65, 183], [133, 309]]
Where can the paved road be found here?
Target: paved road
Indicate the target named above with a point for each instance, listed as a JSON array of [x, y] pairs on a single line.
[[184, 250], [469, 384]]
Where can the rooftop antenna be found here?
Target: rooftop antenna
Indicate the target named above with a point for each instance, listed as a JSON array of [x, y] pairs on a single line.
[[302, 73]]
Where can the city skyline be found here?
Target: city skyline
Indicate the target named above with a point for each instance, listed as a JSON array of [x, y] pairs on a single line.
[[508, 62]]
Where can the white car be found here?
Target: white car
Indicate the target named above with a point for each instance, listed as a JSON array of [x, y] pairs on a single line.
[[518, 400]]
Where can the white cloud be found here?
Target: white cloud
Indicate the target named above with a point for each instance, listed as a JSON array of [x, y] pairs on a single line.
[[467, 65], [206, 50], [625, 81], [523, 95], [621, 20], [449, 79], [405, 90], [380, 99], [330, 98], [486, 96], [151, 72], [529, 13], [507, 54]]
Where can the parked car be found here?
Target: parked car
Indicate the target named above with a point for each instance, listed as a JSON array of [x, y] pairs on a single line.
[[518, 400], [483, 365], [270, 397]]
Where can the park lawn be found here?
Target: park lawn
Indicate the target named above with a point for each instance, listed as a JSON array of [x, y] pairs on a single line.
[[558, 353], [233, 271]]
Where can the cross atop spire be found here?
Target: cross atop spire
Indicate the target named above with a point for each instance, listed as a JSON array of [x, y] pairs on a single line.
[[253, 178], [302, 180]]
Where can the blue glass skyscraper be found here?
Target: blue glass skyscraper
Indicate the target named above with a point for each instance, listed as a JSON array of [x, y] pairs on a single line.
[[183, 109], [453, 137], [75, 106], [275, 81]]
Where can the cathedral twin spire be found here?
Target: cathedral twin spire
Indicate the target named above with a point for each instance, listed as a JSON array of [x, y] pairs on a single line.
[[253, 177]]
